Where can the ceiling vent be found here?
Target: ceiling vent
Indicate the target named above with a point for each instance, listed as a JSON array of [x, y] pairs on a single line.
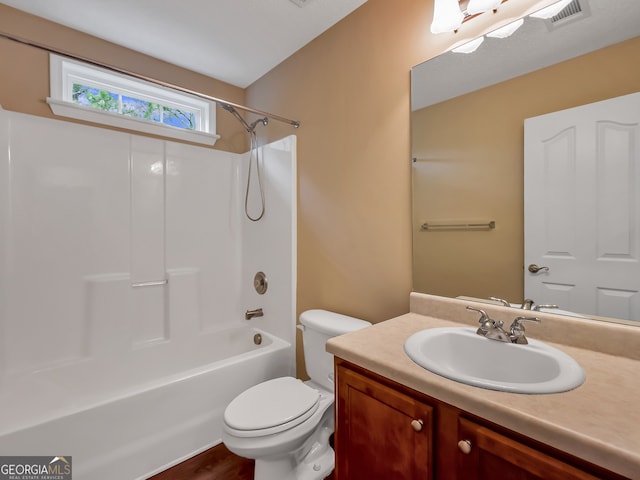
[[576, 10]]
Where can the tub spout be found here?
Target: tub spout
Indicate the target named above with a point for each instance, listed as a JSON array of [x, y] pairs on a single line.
[[249, 314]]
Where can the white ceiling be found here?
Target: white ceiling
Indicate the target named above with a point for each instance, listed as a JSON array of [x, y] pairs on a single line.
[[236, 41]]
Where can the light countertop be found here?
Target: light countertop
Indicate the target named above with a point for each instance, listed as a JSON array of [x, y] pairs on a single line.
[[598, 421]]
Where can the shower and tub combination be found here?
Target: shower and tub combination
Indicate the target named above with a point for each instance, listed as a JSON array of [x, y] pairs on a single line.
[[127, 267]]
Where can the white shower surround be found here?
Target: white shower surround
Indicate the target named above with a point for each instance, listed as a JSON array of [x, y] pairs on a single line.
[[85, 213]]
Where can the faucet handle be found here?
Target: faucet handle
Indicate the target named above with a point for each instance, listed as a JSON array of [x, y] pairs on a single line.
[[517, 331], [486, 323], [537, 308], [483, 315], [501, 300]]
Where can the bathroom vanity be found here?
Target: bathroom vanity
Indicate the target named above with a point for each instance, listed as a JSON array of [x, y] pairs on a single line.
[[395, 419]]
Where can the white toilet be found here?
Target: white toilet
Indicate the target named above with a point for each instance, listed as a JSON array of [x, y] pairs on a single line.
[[284, 423]]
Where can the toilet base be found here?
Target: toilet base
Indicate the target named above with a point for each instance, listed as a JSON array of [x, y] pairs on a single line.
[[318, 468], [317, 464]]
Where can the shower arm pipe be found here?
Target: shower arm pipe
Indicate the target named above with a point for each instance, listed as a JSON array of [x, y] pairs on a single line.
[[218, 101]]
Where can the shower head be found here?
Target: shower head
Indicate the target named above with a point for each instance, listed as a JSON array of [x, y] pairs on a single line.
[[264, 121], [231, 109], [249, 128]]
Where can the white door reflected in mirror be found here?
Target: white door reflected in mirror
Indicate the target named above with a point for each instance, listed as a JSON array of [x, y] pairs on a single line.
[[582, 208]]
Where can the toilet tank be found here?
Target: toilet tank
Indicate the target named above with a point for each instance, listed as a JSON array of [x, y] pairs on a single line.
[[318, 326]]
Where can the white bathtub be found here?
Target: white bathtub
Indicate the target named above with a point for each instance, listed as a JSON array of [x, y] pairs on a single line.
[[135, 432]]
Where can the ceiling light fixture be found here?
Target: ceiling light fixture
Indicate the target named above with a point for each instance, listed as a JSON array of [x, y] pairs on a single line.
[[447, 16], [481, 6]]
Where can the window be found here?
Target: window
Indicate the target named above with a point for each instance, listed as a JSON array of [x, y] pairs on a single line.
[[86, 92]]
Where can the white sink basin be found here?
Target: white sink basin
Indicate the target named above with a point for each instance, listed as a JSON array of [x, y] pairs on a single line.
[[460, 354]]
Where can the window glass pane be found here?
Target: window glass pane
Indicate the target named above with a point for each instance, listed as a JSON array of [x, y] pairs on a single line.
[[134, 107], [96, 98], [179, 118]]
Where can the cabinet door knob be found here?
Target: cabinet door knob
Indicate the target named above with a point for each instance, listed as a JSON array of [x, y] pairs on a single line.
[[417, 425], [465, 446]]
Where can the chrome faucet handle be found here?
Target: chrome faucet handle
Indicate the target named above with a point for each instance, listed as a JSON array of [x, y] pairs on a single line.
[[486, 323], [517, 330], [501, 300], [483, 315], [538, 307]]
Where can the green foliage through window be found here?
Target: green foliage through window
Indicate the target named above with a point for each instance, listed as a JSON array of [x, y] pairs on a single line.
[[132, 107]]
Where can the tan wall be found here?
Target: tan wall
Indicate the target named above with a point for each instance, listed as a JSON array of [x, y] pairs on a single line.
[[24, 77], [470, 157], [350, 89]]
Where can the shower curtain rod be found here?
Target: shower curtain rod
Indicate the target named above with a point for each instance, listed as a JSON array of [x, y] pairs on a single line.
[[218, 101]]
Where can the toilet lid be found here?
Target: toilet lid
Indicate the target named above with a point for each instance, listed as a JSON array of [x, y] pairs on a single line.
[[272, 406]]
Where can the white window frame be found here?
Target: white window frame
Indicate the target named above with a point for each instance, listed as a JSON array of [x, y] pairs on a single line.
[[64, 72]]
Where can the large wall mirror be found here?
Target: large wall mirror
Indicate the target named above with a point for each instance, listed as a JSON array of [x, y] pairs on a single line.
[[468, 174]]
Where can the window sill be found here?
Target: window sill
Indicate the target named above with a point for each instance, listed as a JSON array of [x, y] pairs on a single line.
[[88, 114]]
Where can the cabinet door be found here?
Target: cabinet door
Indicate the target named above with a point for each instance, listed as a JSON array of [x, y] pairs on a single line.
[[492, 456], [380, 433]]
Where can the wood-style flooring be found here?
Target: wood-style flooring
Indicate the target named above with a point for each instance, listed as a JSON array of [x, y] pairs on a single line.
[[217, 463]]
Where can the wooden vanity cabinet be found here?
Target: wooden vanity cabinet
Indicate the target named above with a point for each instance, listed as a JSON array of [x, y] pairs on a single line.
[[381, 433], [495, 456], [387, 431]]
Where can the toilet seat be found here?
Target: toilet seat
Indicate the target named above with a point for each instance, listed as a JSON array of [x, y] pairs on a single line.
[[271, 407]]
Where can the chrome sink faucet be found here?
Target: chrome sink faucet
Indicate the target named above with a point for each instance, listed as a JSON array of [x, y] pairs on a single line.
[[489, 327], [527, 304], [493, 330]]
